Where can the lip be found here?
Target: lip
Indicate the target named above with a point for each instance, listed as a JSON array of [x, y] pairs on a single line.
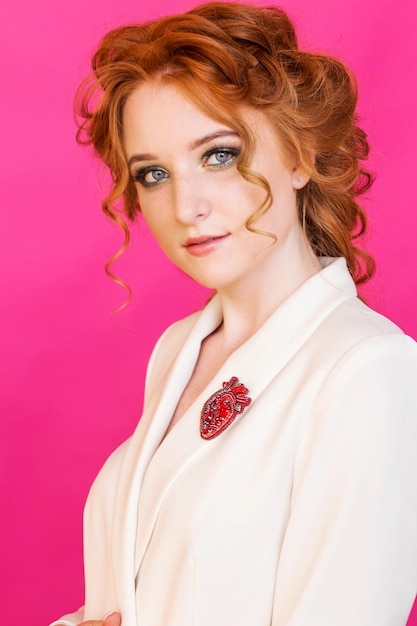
[[204, 244]]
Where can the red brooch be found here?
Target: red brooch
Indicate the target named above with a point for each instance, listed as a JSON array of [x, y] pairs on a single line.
[[222, 407]]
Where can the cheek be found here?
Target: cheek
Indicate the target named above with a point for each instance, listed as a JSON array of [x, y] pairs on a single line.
[[161, 230], [242, 200], [155, 225], [153, 213]]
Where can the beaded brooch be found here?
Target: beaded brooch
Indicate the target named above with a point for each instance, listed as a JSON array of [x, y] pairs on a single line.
[[221, 408]]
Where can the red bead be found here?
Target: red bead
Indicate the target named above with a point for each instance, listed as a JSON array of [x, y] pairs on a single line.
[[222, 407]]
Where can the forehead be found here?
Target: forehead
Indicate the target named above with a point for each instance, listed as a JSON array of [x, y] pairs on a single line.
[[160, 119], [156, 112]]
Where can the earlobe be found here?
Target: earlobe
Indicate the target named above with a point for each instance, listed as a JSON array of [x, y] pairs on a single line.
[[299, 177]]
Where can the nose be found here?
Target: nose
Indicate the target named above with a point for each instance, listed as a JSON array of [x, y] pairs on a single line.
[[191, 202]]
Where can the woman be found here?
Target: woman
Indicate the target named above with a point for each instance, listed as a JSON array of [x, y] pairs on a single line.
[[271, 479]]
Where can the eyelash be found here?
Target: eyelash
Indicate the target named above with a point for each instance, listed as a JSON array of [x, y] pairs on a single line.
[[139, 175], [233, 152]]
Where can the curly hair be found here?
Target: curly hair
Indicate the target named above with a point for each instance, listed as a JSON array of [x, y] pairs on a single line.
[[238, 55]]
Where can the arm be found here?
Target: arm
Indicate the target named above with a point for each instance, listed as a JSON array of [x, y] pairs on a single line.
[[350, 552]]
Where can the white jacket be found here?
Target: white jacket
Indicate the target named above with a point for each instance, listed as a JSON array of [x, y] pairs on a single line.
[[302, 513]]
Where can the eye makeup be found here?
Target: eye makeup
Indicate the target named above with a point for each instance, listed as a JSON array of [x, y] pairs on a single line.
[[216, 158], [150, 176], [219, 157]]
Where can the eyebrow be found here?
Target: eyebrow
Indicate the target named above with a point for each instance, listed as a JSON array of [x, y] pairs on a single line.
[[220, 133], [197, 143]]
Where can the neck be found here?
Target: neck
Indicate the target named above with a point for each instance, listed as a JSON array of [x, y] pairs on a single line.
[[246, 306]]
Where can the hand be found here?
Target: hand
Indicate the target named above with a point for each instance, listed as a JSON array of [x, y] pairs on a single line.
[[113, 619]]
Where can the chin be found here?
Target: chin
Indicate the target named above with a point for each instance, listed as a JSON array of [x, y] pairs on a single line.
[[214, 279]]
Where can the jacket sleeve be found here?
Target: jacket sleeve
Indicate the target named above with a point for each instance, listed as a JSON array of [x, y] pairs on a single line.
[[72, 619], [349, 555]]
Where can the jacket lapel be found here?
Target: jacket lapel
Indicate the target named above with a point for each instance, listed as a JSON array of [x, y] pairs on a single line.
[[142, 446]]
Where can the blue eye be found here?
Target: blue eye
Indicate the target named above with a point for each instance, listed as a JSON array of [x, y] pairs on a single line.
[[150, 176], [221, 157]]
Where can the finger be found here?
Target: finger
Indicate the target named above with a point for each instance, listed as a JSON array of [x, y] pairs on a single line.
[[113, 619]]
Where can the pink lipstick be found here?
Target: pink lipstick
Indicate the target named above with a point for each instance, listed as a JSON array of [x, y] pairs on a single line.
[[200, 246]]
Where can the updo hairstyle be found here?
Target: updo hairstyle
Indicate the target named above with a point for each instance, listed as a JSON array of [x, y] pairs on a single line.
[[225, 56]]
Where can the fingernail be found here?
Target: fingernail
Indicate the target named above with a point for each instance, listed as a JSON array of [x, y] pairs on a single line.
[[109, 614]]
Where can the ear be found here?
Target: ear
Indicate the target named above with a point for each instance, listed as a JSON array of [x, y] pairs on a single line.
[[299, 177]]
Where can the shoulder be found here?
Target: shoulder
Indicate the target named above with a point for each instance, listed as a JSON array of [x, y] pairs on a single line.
[[378, 368], [356, 321], [167, 348], [366, 403], [366, 360], [173, 337], [372, 367], [102, 492], [353, 331]]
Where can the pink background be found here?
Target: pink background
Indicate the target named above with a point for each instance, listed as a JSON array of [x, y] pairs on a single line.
[[72, 378]]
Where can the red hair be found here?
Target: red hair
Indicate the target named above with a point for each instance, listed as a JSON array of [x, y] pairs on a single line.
[[238, 55]]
